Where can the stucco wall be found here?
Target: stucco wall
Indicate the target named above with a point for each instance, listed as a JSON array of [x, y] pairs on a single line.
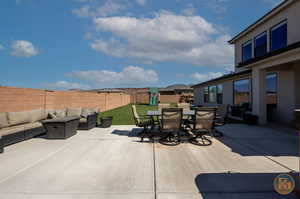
[[286, 97], [297, 85], [291, 13], [228, 92], [198, 96]]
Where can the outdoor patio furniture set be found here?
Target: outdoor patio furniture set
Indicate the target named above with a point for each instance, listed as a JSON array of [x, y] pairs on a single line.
[[176, 125], [20, 126]]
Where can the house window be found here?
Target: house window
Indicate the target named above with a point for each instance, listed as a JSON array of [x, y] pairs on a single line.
[[261, 43], [279, 36], [242, 91], [206, 93], [247, 50], [271, 87], [220, 94], [213, 94]]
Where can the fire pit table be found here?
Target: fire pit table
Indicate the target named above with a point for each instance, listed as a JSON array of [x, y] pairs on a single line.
[[61, 128], [1, 145]]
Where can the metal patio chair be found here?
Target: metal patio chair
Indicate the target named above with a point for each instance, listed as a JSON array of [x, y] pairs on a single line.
[[203, 125], [142, 121], [171, 124]]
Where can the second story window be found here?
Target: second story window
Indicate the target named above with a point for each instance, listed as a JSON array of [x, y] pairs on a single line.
[[279, 36], [261, 43], [247, 50]]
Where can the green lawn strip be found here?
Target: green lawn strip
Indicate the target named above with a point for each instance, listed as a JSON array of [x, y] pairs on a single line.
[[123, 115]]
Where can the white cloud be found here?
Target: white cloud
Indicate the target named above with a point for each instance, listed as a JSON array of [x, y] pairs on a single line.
[[189, 10], [1, 47], [129, 76], [141, 2], [110, 7], [66, 85], [22, 48], [84, 11], [165, 37], [205, 77]]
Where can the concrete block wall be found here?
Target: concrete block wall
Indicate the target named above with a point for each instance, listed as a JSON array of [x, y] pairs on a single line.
[[16, 99], [169, 98], [20, 99]]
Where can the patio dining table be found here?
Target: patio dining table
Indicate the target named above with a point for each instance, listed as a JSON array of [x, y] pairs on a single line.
[[158, 113], [188, 113]]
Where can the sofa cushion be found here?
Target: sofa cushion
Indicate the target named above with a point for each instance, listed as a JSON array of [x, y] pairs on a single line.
[[83, 120], [37, 115], [16, 118], [11, 130], [3, 120], [32, 125], [61, 113], [74, 112], [51, 116]]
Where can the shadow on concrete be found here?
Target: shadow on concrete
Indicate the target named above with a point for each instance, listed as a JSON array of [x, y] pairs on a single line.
[[261, 147], [241, 185], [133, 133], [258, 141]]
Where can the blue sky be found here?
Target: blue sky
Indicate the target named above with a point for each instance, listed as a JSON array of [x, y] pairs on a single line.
[[64, 44]]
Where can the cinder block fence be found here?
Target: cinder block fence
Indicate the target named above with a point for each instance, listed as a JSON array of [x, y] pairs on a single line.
[[20, 99]]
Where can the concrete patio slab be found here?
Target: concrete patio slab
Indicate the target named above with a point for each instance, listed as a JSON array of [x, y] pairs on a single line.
[[224, 196], [278, 145], [111, 163]]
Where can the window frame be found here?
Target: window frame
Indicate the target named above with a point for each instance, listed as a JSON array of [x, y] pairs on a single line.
[[216, 88], [206, 98], [250, 41], [207, 92], [278, 25], [250, 88], [273, 73], [221, 101], [265, 33]]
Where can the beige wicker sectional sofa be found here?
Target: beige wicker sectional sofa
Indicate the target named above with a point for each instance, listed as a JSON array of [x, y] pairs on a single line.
[[24, 125]]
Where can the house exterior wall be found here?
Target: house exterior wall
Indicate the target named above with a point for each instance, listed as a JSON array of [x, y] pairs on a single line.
[[227, 90], [296, 85], [227, 94], [286, 97], [291, 13], [199, 96]]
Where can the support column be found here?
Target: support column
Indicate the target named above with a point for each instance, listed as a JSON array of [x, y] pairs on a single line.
[[259, 94]]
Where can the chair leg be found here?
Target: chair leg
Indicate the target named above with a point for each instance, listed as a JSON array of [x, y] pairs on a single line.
[[143, 134]]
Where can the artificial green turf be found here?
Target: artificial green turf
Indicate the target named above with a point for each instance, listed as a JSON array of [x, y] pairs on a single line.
[[123, 115]]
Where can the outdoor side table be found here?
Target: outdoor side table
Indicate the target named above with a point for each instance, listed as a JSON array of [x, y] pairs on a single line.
[[61, 128]]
